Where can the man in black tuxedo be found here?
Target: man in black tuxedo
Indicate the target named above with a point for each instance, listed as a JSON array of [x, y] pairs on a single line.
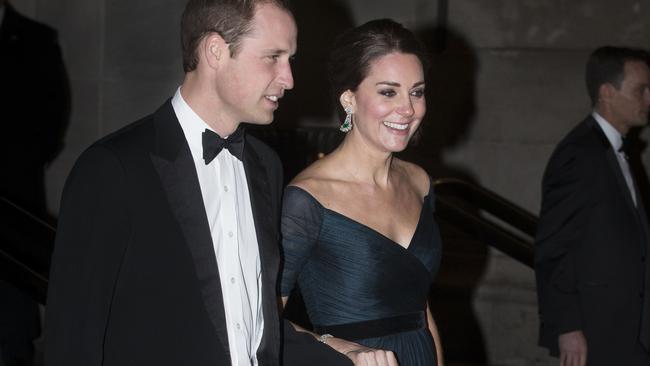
[[167, 249], [593, 237], [34, 106]]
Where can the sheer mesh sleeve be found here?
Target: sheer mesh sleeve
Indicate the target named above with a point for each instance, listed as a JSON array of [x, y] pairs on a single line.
[[302, 217]]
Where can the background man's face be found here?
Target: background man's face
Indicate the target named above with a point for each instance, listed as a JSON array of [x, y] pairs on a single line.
[[251, 84], [630, 103]]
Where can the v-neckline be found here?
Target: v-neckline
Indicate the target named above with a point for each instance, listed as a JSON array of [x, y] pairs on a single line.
[[376, 232]]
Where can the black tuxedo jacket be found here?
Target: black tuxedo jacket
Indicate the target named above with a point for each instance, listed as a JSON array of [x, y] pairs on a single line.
[[134, 278], [591, 247]]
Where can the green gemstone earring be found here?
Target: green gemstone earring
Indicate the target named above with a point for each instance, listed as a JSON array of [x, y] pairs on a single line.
[[347, 124]]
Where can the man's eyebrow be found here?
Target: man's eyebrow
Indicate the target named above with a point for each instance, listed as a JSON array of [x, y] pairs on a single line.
[[276, 51]]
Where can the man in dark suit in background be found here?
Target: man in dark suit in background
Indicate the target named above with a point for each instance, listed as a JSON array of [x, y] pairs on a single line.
[[34, 105], [167, 249], [34, 109], [593, 237]]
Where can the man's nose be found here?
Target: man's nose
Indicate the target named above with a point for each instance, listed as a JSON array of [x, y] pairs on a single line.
[[285, 77]]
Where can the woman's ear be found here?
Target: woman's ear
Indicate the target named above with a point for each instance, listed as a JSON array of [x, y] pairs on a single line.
[[348, 100]]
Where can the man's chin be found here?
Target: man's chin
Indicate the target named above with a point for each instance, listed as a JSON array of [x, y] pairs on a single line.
[[262, 121]]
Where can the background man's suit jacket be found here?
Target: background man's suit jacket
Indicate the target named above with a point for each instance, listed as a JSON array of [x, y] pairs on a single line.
[[591, 247], [34, 104], [134, 278]]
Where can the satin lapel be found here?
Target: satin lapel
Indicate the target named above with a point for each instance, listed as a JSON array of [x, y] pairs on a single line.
[[620, 179], [177, 172], [261, 204], [613, 164], [615, 168], [643, 218]]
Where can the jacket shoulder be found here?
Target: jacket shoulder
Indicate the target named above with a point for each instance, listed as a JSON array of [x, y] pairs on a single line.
[[268, 156], [26, 27], [587, 135], [136, 136]]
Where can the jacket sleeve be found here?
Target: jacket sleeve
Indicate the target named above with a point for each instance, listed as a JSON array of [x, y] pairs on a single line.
[[303, 349], [567, 197], [93, 234]]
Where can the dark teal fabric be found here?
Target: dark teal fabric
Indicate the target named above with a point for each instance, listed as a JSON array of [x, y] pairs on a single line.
[[348, 272]]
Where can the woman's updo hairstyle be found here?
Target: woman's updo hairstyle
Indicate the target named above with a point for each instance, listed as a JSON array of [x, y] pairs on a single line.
[[355, 49]]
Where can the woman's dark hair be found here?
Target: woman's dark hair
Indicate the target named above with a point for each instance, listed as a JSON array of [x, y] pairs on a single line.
[[355, 49]]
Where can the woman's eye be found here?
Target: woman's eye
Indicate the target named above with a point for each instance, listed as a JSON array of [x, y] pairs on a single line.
[[419, 93], [387, 92]]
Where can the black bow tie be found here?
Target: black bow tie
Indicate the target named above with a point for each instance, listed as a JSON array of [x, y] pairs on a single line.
[[626, 147], [213, 144]]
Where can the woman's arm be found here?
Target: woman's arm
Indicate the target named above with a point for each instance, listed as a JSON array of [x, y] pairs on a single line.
[[431, 323], [358, 353]]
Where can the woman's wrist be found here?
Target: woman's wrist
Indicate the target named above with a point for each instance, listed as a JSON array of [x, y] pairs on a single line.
[[324, 337]]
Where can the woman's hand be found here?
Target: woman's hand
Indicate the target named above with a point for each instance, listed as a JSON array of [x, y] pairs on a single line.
[[362, 355]]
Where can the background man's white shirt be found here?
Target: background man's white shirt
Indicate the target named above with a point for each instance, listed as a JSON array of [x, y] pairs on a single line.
[[616, 140]]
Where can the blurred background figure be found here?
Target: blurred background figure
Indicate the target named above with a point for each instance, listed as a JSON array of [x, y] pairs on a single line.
[[34, 107], [593, 234]]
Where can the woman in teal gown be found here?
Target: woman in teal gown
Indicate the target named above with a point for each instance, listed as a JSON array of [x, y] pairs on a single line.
[[359, 237]]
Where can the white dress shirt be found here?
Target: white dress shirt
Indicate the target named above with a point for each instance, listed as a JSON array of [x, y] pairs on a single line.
[[616, 140], [227, 204]]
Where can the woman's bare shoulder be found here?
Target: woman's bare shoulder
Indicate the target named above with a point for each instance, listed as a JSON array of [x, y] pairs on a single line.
[[316, 179], [416, 176]]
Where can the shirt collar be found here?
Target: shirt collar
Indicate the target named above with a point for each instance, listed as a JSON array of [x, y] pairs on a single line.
[[614, 137], [192, 125]]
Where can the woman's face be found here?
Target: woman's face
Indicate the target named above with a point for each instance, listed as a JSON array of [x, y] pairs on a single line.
[[389, 103]]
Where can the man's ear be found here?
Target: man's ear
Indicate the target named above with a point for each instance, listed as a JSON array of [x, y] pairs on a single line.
[[606, 92], [348, 99], [213, 50]]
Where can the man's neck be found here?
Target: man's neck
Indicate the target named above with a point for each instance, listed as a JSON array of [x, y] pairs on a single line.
[[197, 95], [612, 120]]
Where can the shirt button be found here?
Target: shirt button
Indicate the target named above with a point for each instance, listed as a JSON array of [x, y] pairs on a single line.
[[232, 280], [225, 188], [230, 234], [238, 326]]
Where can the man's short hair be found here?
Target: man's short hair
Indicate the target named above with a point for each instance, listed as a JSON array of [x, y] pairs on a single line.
[[607, 65], [231, 19]]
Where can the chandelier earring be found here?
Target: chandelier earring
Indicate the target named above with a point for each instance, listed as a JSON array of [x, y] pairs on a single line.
[[346, 126]]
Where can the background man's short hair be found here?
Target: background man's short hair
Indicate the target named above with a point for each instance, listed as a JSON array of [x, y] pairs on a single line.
[[607, 64]]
